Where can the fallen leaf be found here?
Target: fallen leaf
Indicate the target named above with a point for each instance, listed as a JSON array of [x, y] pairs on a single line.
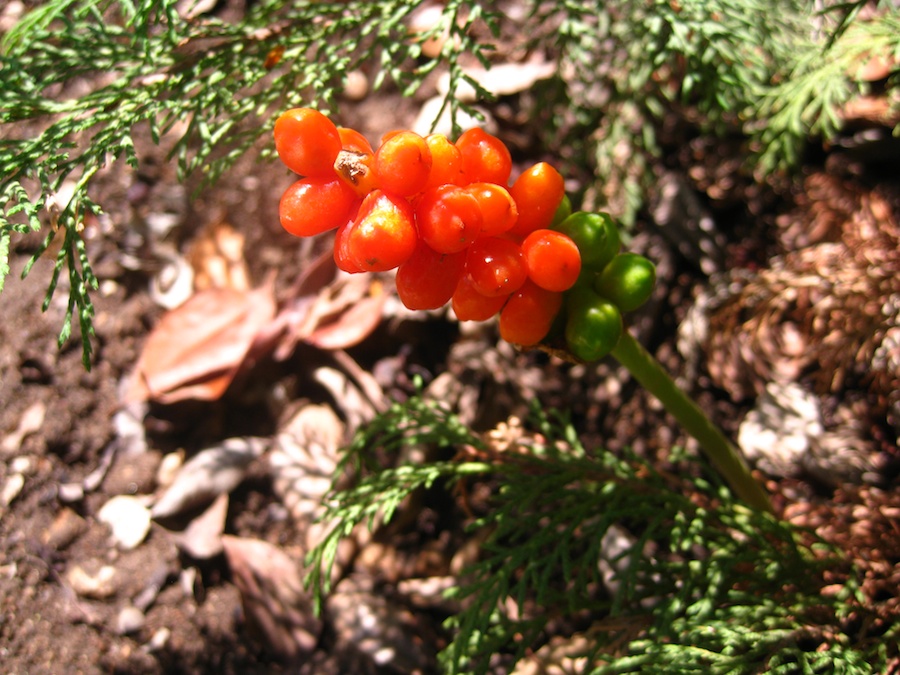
[[272, 594], [197, 349], [208, 474], [341, 314], [202, 538], [351, 326]]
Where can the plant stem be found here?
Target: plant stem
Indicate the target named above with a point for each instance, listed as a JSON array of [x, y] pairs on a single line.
[[723, 455]]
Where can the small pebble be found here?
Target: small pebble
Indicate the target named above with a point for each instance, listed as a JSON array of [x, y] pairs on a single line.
[[11, 488], [129, 620], [99, 585], [128, 519]]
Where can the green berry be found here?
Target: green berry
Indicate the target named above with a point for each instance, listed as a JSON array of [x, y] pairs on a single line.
[[563, 211], [627, 281], [593, 324], [596, 236]]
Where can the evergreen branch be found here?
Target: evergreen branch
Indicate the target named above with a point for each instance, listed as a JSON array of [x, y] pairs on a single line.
[[806, 100], [209, 83], [702, 582], [376, 496]]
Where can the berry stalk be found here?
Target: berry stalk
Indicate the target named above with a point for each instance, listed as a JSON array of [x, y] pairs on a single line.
[[718, 449]]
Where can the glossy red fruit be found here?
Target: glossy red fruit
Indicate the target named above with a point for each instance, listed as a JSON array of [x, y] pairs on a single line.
[[528, 315], [311, 206], [307, 142], [496, 266], [428, 279], [383, 235], [448, 218], [552, 259]]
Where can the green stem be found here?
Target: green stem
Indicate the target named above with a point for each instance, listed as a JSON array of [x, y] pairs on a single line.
[[723, 455]]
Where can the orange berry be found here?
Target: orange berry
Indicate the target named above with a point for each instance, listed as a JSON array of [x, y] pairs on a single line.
[[538, 192], [448, 218], [427, 280], [446, 162], [528, 315], [403, 163], [470, 305], [311, 206], [383, 235], [485, 158], [342, 257], [552, 259], [351, 139], [498, 210], [307, 142], [496, 266]]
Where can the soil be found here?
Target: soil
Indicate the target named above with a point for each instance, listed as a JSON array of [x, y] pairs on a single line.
[[71, 441]]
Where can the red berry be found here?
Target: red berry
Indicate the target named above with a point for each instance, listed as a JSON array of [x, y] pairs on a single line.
[[470, 305], [427, 280], [448, 218], [498, 210], [403, 164], [552, 259], [496, 266], [383, 235], [528, 314], [307, 142], [485, 158], [446, 162], [538, 192], [312, 206]]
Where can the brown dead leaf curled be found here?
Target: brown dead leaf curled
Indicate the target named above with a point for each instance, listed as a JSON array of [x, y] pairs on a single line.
[[351, 326], [272, 594], [340, 314], [202, 538], [197, 349], [208, 474]]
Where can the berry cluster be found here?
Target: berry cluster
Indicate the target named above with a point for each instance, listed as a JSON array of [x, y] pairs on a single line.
[[445, 216]]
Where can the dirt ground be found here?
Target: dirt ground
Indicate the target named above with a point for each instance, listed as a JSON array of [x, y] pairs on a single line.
[[75, 598]]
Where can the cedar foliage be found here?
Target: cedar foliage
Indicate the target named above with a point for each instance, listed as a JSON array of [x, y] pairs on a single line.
[[651, 570]]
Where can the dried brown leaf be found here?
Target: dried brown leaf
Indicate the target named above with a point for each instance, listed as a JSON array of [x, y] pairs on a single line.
[[342, 313], [351, 326], [197, 349], [208, 474]]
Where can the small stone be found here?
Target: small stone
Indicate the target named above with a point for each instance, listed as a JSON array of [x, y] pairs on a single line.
[[11, 488], [356, 86], [24, 464], [129, 620], [98, 585], [128, 519], [168, 468], [159, 640], [66, 527], [70, 492]]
